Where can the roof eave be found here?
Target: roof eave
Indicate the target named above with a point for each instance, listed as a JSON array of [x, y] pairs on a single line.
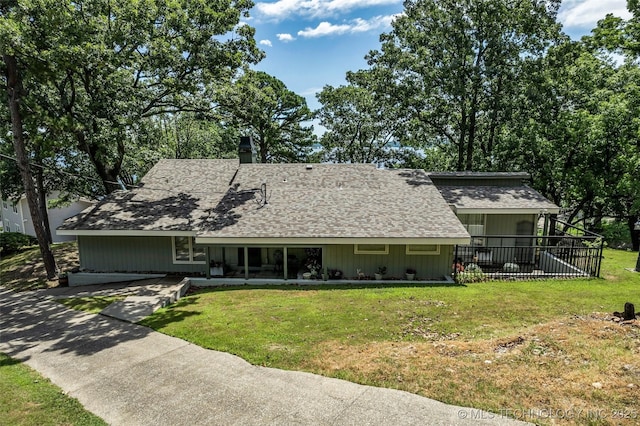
[[506, 210], [331, 240]]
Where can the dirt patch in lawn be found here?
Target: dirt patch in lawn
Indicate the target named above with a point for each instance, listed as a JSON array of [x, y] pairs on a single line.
[[25, 270], [576, 371]]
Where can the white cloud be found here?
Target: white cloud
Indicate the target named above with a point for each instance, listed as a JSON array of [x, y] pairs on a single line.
[[586, 13], [285, 37], [324, 29], [265, 43], [357, 25], [315, 8], [311, 91]]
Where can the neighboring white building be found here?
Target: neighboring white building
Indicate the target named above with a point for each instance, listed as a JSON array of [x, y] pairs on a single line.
[[17, 218]]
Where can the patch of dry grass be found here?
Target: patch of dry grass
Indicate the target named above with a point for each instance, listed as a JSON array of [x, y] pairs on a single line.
[[25, 270], [575, 371]]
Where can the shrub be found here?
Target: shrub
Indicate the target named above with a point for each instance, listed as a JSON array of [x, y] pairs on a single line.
[[13, 242], [616, 234], [473, 276]]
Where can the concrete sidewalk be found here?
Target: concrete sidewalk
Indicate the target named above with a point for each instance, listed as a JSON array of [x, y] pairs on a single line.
[[130, 375], [142, 297]]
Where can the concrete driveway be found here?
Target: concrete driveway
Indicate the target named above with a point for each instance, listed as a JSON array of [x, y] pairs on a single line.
[[131, 375]]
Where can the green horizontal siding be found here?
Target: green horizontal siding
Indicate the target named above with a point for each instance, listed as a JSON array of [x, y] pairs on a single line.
[[131, 254], [507, 224], [428, 266], [154, 254]]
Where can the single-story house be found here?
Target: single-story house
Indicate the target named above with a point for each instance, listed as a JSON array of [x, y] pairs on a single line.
[[16, 216], [245, 220]]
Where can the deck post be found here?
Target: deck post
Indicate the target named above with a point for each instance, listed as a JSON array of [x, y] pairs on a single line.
[[285, 263], [246, 263], [208, 262]]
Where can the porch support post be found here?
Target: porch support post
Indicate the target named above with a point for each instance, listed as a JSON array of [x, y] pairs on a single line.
[[246, 263], [285, 263], [208, 265]]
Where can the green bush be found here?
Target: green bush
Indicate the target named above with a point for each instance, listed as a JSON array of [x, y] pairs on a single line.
[[13, 242], [616, 234]]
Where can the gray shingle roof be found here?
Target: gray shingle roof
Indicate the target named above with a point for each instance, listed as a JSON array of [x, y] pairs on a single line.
[[216, 198], [496, 198]]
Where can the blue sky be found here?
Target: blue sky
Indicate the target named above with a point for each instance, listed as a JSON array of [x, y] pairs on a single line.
[[313, 43]]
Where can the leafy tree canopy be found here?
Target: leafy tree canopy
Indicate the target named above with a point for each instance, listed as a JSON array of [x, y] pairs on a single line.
[[261, 106]]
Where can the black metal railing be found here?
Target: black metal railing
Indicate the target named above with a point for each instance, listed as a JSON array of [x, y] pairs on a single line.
[[565, 254]]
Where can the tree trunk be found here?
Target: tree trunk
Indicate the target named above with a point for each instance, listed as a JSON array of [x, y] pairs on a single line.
[[472, 136], [463, 137], [635, 235], [14, 92], [42, 205], [108, 175]]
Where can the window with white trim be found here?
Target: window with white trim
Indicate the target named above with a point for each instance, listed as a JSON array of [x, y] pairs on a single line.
[[7, 228], [5, 205], [15, 208], [371, 249], [422, 249], [17, 227], [185, 251], [473, 223]]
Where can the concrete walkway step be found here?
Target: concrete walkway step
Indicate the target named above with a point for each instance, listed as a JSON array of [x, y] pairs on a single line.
[[135, 308]]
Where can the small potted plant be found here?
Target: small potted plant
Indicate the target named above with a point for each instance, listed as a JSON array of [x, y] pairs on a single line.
[[410, 274], [382, 270]]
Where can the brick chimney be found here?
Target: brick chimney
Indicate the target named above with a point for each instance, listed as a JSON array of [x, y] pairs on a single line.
[[246, 150]]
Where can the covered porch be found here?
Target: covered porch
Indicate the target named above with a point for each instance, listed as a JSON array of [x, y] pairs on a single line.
[[327, 262], [568, 252]]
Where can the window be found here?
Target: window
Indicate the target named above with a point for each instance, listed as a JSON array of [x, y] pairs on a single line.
[[5, 205], [184, 251], [422, 249], [371, 249], [7, 228], [17, 227], [15, 208], [473, 223]]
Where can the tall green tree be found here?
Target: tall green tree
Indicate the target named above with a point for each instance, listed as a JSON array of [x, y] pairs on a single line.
[[110, 63], [15, 92], [360, 128], [188, 135], [575, 129], [614, 35], [455, 67], [261, 106]]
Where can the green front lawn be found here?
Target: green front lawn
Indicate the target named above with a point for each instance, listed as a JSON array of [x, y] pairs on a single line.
[[490, 345], [27, 398]]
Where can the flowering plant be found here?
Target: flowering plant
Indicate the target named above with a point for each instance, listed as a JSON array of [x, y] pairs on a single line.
[[313, 263], [313, 266]]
